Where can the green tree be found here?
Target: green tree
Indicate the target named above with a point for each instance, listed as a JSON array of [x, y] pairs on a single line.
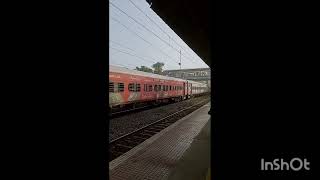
[[158, 67], [144, 69]]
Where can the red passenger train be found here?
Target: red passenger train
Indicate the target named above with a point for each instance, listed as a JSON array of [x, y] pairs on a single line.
[[131, 87]]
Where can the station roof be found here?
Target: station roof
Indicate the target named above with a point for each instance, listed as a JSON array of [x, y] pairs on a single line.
[[189, 19]]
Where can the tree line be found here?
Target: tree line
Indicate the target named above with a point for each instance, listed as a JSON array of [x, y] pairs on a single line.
[[157, 68]]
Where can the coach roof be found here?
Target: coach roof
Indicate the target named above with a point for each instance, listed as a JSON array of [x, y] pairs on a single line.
[[141, 73]]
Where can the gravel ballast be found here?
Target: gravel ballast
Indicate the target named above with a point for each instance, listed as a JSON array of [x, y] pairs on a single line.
[[120, 126]]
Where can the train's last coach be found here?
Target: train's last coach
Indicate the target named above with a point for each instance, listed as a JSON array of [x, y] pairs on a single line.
[[131, 87]]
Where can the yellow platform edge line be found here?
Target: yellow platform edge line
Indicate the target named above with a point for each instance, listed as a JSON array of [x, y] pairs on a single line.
[[208, 176]]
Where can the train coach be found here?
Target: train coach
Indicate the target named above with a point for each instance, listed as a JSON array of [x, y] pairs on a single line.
[[131, 87]]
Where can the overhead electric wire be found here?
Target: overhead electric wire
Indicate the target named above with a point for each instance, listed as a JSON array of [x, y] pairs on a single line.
[[116, 20], [148, 17], [131, 54], [157, 25], [121, 45], [121, 65], [129, 29], [138, 23], [146, 28]]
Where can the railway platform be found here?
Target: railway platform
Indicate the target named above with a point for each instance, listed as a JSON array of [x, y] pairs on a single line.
[[181, 151]]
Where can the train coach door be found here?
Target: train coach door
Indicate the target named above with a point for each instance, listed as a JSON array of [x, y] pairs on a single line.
[[187, 94], [189, 90], [184, 90]]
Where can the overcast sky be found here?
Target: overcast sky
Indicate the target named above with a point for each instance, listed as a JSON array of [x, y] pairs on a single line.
[[133, 45]]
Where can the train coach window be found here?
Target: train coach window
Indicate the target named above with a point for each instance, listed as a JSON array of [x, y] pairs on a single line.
[[111, 87], [148, 88], [155, 87], [131, 87], [120, 87], [137, 87], [170, 88], [166, 87], [163, 88]]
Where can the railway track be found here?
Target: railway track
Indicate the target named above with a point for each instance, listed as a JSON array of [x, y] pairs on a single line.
[[119, 113], [124, 143]]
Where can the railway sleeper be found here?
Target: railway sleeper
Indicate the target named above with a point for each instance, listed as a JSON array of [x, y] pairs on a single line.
[[122, 141], [115, 153], [124, 146], [168, 122], [161, 126], [119, 148], [149, 132], [135, 139], [139, 137], [135, 143], [146, 135], [165, 122], [156, 129]]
